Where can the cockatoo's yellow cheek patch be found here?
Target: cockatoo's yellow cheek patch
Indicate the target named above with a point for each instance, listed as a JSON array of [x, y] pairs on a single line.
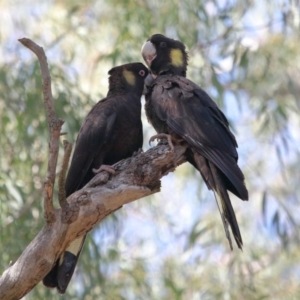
[[176, 58], [129, 76]]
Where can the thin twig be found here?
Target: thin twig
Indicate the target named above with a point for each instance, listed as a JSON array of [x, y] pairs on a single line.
[[62, 176], [54, 124]]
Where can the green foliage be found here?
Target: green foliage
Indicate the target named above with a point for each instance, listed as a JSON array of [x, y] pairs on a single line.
[[172, 245]]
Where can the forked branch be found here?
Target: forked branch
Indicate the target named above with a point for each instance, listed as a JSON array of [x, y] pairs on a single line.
[[135, 177]]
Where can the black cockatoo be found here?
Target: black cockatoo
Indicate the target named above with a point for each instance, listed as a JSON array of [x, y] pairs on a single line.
[[184, 113], [111, 131]]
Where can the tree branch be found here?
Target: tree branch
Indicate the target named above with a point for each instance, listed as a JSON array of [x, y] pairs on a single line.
[[54, 124], [135, 177], [62, 176]]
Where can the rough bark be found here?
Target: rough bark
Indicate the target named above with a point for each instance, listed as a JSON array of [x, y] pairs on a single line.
[[135, 177], [54, 125]]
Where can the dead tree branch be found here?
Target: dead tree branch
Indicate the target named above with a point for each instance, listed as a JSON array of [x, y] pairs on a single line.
[[135, 177], [54, 124], [62, 176]]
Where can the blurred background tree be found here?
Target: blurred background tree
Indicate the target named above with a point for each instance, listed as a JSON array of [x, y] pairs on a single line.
[[245, 54]]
